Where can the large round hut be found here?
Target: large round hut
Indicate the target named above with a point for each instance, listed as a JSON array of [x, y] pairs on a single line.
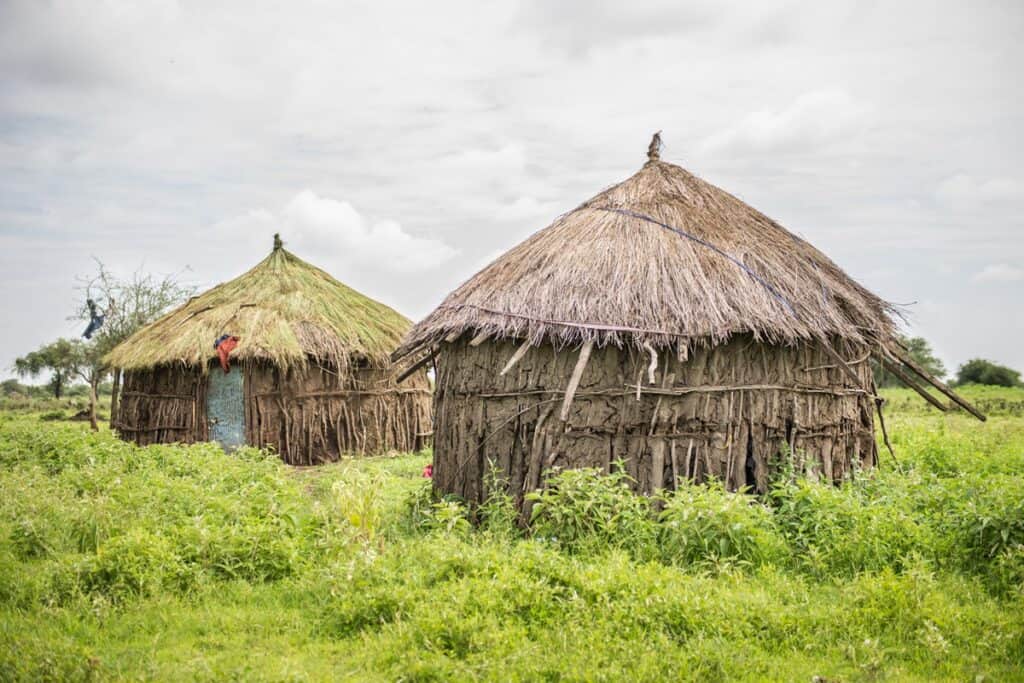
[[309, 374], [663, 324]]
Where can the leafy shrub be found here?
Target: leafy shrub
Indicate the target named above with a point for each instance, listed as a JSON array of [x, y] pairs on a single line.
[[981, 371], [840, 531], [28, 540], [135, 564], [983, 521], [705, 525], [585, 510]]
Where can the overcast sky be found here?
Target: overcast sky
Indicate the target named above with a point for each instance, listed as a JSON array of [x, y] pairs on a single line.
[[402, 146]]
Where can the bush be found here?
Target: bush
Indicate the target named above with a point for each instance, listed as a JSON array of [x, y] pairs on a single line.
[[840, 531], [981, 371], [587, 511], [707, 526], [135, 564]]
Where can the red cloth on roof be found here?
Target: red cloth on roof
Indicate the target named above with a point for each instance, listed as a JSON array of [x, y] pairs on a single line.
[[224, 349]]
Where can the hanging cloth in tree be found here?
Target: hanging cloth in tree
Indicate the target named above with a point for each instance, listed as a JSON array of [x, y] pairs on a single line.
[[95, 319], [224, 345]]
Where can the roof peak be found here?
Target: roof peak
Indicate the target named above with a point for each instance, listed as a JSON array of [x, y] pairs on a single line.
[[654, 149], [278, 244]]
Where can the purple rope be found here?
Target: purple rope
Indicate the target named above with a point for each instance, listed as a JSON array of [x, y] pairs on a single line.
[[757, 278]]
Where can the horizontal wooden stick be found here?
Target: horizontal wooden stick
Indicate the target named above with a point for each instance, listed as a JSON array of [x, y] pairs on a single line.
[[344, 393], [682, 391], [676, 391], [126, 428], [181, 397]]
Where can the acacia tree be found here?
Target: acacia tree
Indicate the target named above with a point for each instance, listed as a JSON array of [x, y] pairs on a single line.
[[127, 305], [59, 358]]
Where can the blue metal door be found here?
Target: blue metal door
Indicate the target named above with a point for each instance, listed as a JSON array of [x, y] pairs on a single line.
[[225, 408]]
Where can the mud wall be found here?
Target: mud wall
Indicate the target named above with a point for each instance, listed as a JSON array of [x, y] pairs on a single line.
[[314, 416], [309, 417], [726, 412]]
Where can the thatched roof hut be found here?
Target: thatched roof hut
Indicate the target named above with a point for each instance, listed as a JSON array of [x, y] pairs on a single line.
[[311, 375], [663, 323]]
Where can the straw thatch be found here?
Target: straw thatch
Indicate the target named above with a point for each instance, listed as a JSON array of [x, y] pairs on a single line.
[[702, 327], [286, 312], [317, 377], [605, 273]]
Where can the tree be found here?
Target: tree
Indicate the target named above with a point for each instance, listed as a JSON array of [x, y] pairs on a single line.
[[981, 371], [127, 306], [59, 358], [921, 352]]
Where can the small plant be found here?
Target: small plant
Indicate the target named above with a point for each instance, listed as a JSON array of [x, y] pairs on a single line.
[[498, 515], [706, 526], [587, 511]]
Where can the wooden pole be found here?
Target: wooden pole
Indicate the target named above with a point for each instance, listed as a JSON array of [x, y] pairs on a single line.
[[840, 362], [516, 357], [408, 372], [574, 380], [885, 434], [909, 381], [926, 376]]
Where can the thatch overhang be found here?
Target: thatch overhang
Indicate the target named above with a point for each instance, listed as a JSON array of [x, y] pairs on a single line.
[[661, 258], [286, 311]]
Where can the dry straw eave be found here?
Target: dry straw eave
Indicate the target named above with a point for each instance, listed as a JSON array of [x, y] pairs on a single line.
[[661, 258], [285, 311]]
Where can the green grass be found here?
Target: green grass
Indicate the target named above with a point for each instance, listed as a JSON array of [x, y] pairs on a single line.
[[182, 563]]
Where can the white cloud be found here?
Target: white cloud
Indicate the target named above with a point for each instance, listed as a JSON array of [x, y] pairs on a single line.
[[811, 119], [128, 129], [327, 230], [526, 209], [509, 158], [963, 191], [1000, 272]]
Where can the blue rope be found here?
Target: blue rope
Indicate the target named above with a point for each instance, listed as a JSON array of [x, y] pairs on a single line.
[[757, 278]]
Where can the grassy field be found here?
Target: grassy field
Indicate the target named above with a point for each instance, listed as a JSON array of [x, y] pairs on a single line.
[[182, 563]]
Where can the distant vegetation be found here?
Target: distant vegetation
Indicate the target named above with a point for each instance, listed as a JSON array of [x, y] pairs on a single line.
[[921, 352], [979, 371], [183, 563], [120, 307]]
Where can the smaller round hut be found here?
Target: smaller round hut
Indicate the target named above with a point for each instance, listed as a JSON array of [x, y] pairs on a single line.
[[665, 325], [309, 374]]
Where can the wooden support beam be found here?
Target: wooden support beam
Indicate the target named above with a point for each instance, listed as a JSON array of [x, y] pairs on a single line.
[[926, 376], [516, 357], [574, 380], [909, 381], [408, 372], [857, 382], [479, 339], [652, 368]]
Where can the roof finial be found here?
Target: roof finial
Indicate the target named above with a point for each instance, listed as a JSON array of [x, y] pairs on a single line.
[[277, 241], [654, 149]]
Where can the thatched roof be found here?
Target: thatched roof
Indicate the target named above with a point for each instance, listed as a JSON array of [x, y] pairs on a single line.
[[285, 311], [660, 258]]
